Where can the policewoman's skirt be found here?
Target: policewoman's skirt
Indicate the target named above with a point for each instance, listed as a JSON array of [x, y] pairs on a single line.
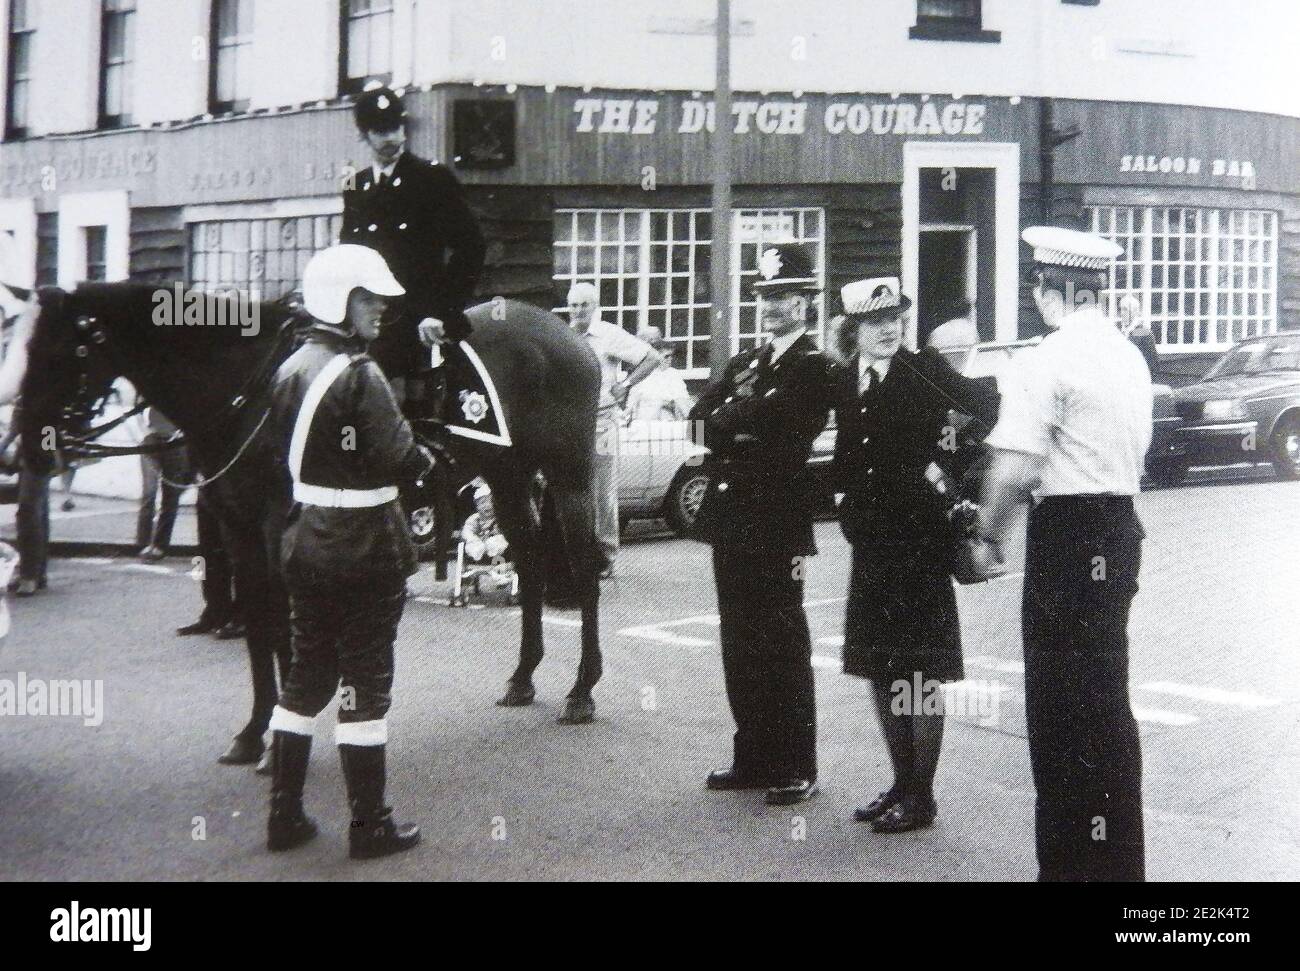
[[901, 615]]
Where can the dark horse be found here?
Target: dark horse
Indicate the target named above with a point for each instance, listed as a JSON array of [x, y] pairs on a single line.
[[213, 381]]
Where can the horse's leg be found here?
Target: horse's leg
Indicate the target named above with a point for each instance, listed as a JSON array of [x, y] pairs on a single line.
[[253, 583], [574, 511], [511, 499]]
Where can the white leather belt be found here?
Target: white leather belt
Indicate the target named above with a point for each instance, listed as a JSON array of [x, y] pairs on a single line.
[[311, 495]]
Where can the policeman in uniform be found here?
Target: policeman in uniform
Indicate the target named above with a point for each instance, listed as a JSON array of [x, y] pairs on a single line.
[[346, 552], [1073, 433], [760, 420], [414, 213]]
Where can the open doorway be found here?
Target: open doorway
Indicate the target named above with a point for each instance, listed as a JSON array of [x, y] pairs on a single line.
[[946, 285]]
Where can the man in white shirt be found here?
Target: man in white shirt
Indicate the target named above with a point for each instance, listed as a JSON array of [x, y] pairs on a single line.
[[1073, 432], [615, 348]]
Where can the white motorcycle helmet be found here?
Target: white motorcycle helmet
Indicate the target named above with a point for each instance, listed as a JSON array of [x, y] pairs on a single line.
[[332, 275]]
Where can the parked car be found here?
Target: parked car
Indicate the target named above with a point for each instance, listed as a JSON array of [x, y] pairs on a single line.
[[1245, 409]]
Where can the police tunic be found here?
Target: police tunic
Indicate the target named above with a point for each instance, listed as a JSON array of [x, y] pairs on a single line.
[[901, 612], [760, 421], [1081, 401], [419, 222], [346, 550]]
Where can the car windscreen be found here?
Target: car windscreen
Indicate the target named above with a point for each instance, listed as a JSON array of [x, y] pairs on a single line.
[[1258, 357]]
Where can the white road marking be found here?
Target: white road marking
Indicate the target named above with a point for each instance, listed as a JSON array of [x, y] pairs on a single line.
[[1218, 696], [655, 632], [560, 621], [1160, 717], [146, 568], [996, 664]]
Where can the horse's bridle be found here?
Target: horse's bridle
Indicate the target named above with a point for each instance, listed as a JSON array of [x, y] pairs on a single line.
[[87, 406]]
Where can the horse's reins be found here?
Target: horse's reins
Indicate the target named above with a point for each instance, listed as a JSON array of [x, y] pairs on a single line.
[[86, 446]]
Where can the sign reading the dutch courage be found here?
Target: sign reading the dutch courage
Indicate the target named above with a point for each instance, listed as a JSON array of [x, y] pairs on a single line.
[[643, 116]]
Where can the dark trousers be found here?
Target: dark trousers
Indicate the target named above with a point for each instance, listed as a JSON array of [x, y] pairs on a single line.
[[219, 593], [767, 664], [1081, 573], [33, 523], [169, 464], [344, 633]]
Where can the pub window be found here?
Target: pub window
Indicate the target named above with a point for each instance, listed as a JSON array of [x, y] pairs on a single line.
[[117, 52], [958, 20], [366, 48], [652, 268], [96, 249], [22, 31], [232, 55], [1206, 278], [263, 258]]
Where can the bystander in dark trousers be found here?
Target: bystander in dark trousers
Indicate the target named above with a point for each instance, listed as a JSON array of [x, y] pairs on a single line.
[[767, 663], [159, 470], [1082, 559], [33, 525], [220, 598]]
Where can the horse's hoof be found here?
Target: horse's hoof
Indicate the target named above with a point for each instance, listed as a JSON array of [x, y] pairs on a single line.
[[517, 697], [578, 711], [243, 751], [267, 765]]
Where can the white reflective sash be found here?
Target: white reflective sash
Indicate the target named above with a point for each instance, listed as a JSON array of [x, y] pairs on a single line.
[[320, 495]]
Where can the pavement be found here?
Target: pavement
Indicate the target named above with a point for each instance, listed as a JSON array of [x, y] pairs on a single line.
[[509, 794], [100, 526]]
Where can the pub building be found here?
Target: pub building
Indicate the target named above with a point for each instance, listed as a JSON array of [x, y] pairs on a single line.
[[611, 183]]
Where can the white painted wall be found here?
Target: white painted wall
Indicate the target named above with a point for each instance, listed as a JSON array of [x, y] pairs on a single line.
[[171, 66], [1237, 55]]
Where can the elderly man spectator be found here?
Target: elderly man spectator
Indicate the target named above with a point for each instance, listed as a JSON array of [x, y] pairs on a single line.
[[662, 396], [615, 348]]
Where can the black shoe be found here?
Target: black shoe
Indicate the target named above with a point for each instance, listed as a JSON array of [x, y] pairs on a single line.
[[907, 815], [878, 806], [288, 826], [732, 780], [232, 631], [373, 833], [204, 625], [791, 792]]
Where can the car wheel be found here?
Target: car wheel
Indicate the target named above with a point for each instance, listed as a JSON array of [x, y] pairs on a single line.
[[1286, 447], [683, 500], [1168, 472]]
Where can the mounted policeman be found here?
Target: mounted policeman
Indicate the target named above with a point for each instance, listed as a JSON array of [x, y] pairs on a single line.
[[414, 213]]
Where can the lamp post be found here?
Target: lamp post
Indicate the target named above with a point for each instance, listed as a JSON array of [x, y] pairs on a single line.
[[720, 333]]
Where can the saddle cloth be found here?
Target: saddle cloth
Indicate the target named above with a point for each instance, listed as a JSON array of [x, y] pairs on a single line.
[[473, 408]]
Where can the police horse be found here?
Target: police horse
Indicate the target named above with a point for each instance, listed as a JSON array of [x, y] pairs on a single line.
[[214, 382]]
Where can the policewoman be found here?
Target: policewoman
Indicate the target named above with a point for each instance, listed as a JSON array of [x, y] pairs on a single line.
[[759, 421], [346, 552], [900, 629], [1073, 435], [414, 213]]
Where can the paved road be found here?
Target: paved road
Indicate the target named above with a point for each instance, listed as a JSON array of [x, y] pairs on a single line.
[[511, 795]]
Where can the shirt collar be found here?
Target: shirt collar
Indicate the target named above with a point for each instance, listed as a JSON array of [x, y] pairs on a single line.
[[782, 344], [880, 367], [1090, 316], [388, 171]]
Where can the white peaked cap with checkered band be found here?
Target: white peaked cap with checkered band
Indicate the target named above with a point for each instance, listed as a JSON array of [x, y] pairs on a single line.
[[1054, 246], [332, 275]]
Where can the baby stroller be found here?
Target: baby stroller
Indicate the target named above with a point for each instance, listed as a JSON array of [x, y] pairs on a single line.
[[482, 553]]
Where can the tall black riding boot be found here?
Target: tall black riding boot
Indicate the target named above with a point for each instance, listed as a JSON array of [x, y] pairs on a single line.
[[288, 826], [373, 832]]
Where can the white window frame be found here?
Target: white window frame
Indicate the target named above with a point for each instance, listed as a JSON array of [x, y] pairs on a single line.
[[217, 215], [77, 210], [808, 224], [1215, 303]]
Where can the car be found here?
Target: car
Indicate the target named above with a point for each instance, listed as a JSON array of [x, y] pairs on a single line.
[[1245, 409], [661, 472], [1165, 456]]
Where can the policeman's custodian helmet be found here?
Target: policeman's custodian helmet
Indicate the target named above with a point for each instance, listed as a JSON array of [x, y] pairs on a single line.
[[332, 275], [379, 108]]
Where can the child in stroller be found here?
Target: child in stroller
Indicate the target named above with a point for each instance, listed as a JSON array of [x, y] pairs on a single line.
[[482, 554]]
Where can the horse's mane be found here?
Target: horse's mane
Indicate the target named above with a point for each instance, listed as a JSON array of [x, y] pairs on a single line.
[[129, 309]]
